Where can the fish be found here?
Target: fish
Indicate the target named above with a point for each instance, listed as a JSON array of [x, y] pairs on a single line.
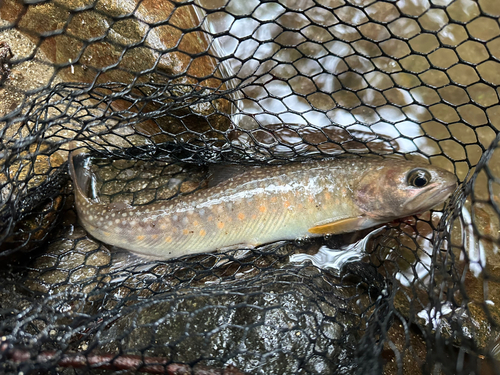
[[263, 205]]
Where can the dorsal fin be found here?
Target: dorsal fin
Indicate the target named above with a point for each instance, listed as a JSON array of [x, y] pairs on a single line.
[[223, 172]]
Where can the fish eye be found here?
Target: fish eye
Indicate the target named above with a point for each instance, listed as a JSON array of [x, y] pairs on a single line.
[[419, 178]]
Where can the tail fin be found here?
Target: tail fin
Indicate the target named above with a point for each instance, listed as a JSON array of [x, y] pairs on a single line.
[[82, 176]]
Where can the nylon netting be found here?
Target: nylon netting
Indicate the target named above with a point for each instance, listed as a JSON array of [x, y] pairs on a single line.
[[156, 91]]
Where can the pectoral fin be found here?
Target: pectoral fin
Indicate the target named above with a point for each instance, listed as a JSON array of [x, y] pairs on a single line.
[[350, 224]]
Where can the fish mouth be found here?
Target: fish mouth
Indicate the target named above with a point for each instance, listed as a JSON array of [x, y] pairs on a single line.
[[435, 195]]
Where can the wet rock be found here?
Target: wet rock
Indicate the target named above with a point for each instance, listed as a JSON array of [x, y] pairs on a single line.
[[40, 189], [244, 323], [129, 42], [405, 350], [5, 65], [30, 75]]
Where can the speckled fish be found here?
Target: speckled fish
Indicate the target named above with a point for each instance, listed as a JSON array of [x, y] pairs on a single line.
[[265, 204]]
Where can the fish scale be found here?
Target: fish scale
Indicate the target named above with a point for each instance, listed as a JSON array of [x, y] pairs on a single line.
[[264, 205]]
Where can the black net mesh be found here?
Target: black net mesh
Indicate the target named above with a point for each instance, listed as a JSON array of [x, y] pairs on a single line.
[[158, 90]]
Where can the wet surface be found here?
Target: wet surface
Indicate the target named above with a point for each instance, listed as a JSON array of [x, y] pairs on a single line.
[[413, 78]]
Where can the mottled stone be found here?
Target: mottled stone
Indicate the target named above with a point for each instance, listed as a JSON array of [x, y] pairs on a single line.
[[94, 41]]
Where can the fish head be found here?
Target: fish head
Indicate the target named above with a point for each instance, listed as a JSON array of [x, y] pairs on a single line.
[[399, 188]]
